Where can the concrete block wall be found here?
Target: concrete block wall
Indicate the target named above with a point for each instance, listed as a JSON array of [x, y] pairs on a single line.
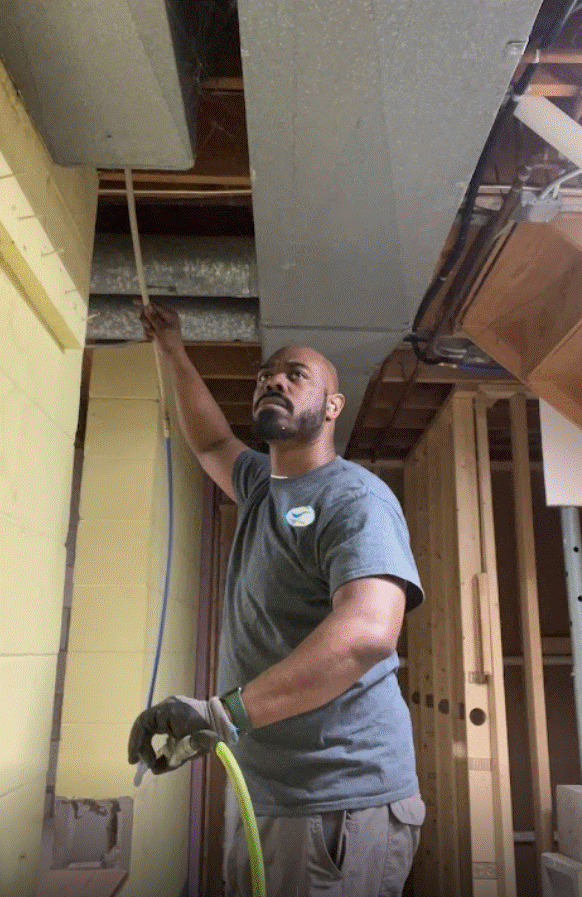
[[46, 215], [118, 583]]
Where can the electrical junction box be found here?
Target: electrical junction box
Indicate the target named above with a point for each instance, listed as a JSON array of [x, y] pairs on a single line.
[[532, 208]]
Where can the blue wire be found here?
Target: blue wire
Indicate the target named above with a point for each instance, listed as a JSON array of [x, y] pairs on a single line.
[[167, 575], [482, 368], [141, 769]]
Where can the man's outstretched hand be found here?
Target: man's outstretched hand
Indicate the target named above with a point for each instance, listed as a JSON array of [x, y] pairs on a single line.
[[162, 324], [191, 727]]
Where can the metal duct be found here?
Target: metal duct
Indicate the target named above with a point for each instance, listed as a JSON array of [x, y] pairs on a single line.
[[365, 121], [175, 266], [107, 84], [113, 319]]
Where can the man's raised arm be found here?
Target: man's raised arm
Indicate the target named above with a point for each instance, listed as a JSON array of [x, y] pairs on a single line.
[[203, 424]]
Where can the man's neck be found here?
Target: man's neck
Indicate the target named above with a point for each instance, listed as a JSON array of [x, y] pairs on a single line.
[[291, 460]]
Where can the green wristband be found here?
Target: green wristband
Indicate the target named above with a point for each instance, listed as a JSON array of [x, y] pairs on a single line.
[[233, 700]]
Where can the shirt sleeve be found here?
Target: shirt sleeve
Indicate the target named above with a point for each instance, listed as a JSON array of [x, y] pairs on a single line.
[[250, 469], [368, 536]]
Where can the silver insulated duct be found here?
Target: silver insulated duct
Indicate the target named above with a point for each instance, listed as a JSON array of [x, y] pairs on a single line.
[[211, 282]]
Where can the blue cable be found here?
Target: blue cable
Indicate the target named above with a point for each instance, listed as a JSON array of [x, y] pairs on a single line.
[[482, 368], [141, 768]]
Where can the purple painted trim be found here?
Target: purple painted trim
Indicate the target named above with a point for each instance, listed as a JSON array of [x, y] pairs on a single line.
[[201, 682]]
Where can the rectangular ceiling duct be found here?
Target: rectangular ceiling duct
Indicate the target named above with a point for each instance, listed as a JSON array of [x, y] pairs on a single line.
[[365, 121], [108, 84]]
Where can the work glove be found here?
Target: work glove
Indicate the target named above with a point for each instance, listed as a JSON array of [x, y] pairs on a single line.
[[192, 727]]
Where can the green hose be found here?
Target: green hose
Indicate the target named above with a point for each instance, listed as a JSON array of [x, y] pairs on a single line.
[[248, 818]]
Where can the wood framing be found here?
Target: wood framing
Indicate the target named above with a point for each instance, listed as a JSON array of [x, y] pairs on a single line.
[[507, 312], [490, 606], [456, 661], [530, 628]]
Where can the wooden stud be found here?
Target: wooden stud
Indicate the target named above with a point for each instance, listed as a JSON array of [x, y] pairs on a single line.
[[530, 627], [502, 786], [442, 601], [485, 872]]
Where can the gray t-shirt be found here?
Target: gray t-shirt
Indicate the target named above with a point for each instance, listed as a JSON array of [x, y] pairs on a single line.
[[297, 540]]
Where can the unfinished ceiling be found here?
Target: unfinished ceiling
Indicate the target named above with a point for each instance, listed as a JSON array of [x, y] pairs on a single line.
[[340, 161]]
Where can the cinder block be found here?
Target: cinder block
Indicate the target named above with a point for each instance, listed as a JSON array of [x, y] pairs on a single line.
[[112, 553], [26, 701], [35, 363], [124, 372], [33, 445], [107, 618], [102, 687], [93, 761], [561, 876], [33, 572], [116, 488], [21, 816], [122, 427], [569, 815]]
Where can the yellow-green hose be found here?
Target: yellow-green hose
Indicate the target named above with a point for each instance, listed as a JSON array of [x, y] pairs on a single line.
[[248, 818]]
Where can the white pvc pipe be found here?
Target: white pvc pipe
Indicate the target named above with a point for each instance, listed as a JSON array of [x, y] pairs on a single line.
[[552, 125]]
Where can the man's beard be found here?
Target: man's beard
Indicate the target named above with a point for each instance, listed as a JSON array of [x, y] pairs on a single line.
[[269, 426]]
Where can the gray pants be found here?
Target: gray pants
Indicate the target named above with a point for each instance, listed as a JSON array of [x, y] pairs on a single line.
[[343, 853]]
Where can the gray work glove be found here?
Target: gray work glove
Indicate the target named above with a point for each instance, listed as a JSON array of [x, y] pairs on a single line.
[[192, 727]]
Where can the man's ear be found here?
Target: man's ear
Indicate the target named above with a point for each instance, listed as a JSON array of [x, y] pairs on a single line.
[[334, 406]]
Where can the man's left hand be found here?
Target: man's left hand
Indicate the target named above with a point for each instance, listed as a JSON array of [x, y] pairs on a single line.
[[192, 727]]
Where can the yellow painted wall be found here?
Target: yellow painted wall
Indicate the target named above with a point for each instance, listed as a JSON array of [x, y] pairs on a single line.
[[118, 583], [46, 215]]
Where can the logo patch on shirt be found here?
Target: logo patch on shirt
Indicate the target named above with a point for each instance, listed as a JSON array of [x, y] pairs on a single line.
[[302, 516]]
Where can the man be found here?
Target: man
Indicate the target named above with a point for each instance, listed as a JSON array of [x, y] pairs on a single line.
[[319, 579]]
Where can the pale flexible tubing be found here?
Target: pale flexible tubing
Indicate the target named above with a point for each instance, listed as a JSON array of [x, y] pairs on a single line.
[[142, 767], [143, 286], [248, 818]]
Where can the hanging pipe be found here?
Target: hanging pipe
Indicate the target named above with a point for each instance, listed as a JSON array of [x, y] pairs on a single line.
[[222, 751], [570, 519]]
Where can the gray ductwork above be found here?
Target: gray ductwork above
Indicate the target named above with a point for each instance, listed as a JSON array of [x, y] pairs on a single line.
[[116, 319], [211, 282], [175, 266], [108, 84], [365, 121]]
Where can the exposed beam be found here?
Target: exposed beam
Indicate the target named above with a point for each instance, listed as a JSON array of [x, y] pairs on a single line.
[[223, 361], [546, 84]]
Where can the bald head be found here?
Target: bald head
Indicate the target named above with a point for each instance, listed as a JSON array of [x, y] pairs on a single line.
[[314, 360]]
